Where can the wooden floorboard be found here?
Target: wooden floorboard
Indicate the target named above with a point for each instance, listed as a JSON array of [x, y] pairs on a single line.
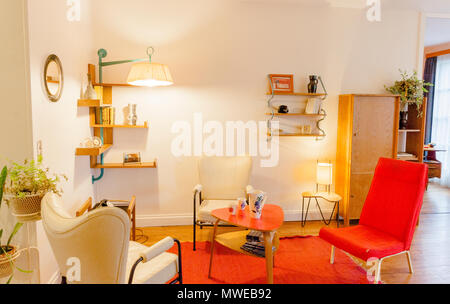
[[430, 248]]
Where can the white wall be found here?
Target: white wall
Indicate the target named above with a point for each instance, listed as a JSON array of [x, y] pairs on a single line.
[[219, 53], [15, 114], [60, 126]]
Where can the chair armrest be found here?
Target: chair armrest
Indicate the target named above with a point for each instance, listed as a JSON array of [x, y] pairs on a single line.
[[155, 250], [198, 188], [131, 206], [87, 206]]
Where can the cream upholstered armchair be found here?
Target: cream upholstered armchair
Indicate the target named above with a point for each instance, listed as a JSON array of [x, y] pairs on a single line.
[[222, 181], [100, 241]]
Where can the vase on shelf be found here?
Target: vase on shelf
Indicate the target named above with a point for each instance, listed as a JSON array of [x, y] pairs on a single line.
[[404, 117], [313, 84], [132, 116], [90, 91], [283, 109]]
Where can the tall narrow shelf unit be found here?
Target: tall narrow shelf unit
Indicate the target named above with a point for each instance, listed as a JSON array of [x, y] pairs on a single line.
[[108, 130], [411, 140], [317, 117]]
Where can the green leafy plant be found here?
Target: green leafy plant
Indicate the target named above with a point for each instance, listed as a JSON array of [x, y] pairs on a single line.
[[6, 249], [3, 176], [411, 89], [31, 179]]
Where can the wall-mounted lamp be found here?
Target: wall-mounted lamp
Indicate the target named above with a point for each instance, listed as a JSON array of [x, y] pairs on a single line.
[[143, 72], [324, 175]]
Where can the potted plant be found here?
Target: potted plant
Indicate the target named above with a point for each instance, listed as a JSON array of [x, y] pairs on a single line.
[[8, 252], [27, 185], [411, 90]]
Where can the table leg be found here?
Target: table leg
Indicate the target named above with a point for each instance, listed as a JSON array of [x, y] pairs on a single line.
[[213, 241], [268, 240], [134, 223]]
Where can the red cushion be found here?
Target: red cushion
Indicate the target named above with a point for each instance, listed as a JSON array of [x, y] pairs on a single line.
[[395, 198], [362, 241]]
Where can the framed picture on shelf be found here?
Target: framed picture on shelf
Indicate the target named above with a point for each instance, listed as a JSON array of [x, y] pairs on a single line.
[[131, 158], [283, 83]]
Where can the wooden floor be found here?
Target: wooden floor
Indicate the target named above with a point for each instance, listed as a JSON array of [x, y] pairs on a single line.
[[430, 250]]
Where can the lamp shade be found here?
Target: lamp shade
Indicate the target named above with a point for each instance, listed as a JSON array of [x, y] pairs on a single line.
[[324, 173], [149, 74]]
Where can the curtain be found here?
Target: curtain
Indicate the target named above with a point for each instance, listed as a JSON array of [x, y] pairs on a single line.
[[430, 76], [441, 116]]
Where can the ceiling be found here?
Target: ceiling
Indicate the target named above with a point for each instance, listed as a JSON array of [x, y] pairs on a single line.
[[429, 6]]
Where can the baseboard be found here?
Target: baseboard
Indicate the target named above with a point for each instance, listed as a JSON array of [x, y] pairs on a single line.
[[55, 279], [164, 220], [186, 218]]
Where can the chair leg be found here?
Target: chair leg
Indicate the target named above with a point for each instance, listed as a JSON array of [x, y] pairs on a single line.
[[378, 272], [333, 251], [194, 228], [408, 255]]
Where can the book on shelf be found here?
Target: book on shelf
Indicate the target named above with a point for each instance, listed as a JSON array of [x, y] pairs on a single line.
[[255, 244], [108, 116], [406, 156], [254, 236]]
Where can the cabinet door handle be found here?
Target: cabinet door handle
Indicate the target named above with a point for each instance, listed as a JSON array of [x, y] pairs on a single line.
[[352, 196]]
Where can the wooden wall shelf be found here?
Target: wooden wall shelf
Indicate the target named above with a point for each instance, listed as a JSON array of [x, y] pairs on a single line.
[[411, 140], [93, 151], [108, 130], [145, 126], [296, 114], [298, 94], [90, 103], [148, 165], [298, 135]]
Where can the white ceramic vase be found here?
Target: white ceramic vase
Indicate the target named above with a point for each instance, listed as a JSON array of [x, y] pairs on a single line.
[[257, 199]]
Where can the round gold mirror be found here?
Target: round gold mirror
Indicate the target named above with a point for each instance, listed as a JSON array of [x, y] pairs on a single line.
[[53, 78]]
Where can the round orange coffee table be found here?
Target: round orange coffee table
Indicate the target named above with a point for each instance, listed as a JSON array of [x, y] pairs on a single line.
[[271, 219]]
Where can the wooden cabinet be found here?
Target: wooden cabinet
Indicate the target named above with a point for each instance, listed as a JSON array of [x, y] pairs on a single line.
[[367, 130]]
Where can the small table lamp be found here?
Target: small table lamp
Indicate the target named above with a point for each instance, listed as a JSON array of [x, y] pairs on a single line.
[[324, 177]]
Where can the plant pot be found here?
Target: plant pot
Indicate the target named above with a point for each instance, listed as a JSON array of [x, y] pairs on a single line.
[[6, 268], [26, 209]]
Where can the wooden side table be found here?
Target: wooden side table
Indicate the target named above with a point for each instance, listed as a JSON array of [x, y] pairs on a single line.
[[271, 219], [329, 197], [128, 206], [434, 165]]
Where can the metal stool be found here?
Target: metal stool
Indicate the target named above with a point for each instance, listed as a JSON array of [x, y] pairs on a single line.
[[328, 196]]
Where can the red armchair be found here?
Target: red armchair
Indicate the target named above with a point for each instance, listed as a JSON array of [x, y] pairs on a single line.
[[389, 216]]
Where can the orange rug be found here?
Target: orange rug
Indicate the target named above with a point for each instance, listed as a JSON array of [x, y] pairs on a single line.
[[299, 260]]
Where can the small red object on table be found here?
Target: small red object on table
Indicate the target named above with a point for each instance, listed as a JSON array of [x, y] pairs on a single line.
[[271, 219]]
